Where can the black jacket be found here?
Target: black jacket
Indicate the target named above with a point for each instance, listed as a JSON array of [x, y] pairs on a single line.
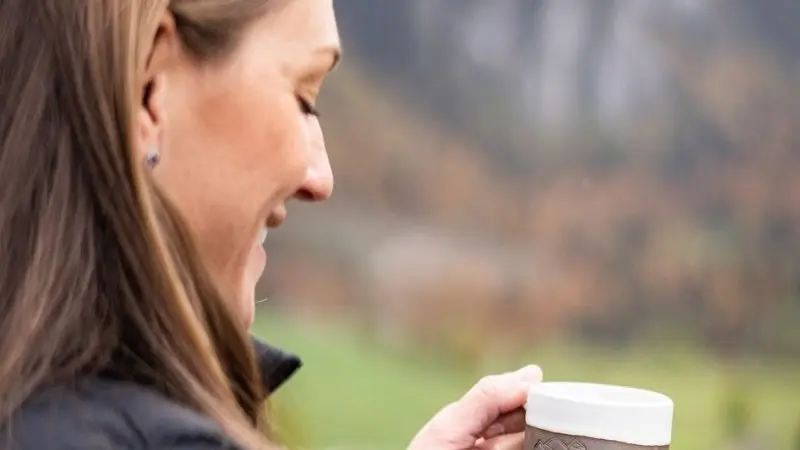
[[103, 414]]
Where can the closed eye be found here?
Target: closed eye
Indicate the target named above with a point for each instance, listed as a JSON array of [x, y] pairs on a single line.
[[306, 107]]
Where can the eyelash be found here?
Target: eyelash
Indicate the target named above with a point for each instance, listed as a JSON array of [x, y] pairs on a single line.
[[306, 107]]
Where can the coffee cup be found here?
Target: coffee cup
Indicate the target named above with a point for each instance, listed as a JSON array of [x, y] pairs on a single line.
[[587, 416]]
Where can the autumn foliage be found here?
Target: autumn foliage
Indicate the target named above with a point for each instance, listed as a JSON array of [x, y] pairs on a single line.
[[684, 226]]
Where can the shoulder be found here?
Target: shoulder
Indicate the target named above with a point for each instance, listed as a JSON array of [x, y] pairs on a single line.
[[102, 414]]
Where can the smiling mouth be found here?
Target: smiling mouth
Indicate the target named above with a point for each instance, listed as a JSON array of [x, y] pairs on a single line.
[[275, 219]]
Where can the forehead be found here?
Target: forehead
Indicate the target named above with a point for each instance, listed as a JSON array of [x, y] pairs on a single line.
[[302, 24]]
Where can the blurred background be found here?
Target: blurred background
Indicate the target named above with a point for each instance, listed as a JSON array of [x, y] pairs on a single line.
[[608, 188]]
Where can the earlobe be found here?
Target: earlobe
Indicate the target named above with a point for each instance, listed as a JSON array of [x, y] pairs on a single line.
[[153, 158], [151, 120], [148, 138]]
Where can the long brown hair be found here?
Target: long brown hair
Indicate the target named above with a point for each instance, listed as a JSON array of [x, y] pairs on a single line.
[[97, 270]]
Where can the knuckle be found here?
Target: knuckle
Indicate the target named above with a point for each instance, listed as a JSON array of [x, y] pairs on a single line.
[[447, 410], [488, 381], [488, 385]]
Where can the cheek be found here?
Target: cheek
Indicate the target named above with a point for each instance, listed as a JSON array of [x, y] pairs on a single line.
[[234, 156]]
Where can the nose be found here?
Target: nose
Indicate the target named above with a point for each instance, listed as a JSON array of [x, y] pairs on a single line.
[[318, 183]]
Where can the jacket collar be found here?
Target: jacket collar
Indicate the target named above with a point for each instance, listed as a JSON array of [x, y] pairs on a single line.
[[276, 366]]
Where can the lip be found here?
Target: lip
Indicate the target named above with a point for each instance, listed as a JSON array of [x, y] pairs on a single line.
[[276, 216]]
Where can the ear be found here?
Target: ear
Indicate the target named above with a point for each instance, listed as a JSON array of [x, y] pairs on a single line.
[[151, 114]]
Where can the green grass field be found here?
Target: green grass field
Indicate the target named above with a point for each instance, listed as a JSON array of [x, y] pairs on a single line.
[[354, 395]]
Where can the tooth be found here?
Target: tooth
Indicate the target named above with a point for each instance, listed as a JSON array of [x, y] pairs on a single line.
[[262, 237]]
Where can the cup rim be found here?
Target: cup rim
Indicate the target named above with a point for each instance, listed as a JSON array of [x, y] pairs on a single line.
[[601, 411], [611, 395]]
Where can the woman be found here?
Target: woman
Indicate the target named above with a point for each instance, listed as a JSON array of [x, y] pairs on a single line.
[[146, 147]]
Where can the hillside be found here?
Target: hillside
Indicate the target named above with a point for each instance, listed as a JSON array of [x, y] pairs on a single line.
[[688, 215]]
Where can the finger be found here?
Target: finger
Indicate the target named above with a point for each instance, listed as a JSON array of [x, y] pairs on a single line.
[[514, 441], [492, 397], [508, 423]]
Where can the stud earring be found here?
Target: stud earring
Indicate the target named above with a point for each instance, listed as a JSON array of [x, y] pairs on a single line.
[[153, 158]]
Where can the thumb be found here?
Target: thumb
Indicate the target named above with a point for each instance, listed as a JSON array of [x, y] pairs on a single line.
[[490, 398]]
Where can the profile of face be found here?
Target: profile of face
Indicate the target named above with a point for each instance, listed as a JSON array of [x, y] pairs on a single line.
[[239, 137]]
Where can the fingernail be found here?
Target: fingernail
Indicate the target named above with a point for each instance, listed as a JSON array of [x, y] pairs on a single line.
[[532, 373], [494, 431]]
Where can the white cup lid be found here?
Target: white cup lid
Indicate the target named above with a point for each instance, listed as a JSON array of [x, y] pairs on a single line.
[[611, 413]]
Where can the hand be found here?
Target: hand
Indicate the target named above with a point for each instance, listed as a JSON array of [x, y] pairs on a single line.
[[488, 417]]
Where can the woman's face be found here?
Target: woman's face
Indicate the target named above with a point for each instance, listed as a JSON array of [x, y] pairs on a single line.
[[239, 138]]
